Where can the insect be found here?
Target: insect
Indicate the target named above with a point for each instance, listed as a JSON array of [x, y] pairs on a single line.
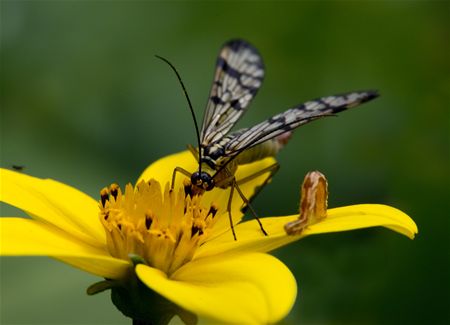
[[238, 76], [313, 203], [18, 168]]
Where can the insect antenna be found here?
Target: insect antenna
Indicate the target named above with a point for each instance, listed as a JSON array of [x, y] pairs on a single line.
[[190, 107]]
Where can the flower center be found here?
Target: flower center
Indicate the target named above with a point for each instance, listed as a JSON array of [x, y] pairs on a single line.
[[162, 227]]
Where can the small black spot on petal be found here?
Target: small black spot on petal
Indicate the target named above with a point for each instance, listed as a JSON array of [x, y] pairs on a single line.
[[148, 222], [196, 230], [187, 191], [104, 196], [212, 211], [114, 190]]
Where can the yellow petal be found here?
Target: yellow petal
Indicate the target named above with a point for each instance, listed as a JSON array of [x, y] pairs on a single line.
[[338, 219], [56, 203], [25, 237], [104, 266], [162, 170], [365, 216], [247, 288]]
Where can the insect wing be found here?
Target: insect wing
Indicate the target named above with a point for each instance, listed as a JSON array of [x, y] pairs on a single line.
[[293, 118], [238, 76]]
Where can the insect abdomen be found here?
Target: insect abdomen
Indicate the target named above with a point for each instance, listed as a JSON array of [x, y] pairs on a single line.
[[266, 149]]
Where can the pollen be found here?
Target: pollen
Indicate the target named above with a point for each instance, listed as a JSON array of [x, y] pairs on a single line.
[[163, 227]]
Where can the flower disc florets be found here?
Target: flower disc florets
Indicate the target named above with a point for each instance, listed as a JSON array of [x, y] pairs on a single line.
[[162, 227]]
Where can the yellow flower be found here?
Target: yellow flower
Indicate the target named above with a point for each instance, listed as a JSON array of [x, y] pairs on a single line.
[[189, 255]]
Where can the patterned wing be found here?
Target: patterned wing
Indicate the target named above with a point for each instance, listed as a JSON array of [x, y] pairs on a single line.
[[238, 76], [293, 118]]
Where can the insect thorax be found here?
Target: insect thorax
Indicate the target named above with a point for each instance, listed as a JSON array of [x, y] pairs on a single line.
[[212, 154]]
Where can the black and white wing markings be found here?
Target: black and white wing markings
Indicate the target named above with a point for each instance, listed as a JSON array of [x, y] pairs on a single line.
[[243, 139], [238, 76]]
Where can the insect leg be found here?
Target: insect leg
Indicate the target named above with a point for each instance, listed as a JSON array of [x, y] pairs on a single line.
[[179, 170], [230, 199], [272, 169], [249, 206], [230, 180]]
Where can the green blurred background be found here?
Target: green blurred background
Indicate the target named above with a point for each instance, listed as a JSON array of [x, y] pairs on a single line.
[[84, 101]]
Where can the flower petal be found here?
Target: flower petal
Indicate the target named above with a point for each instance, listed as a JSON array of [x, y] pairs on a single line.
[[104, 266], [250, 288], [19, 236], [338, 219], [162, 170], [54, 202]]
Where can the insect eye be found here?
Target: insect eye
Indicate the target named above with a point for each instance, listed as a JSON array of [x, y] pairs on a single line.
[[196, 179], [205, 177], [210, 184], [207, 181]]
